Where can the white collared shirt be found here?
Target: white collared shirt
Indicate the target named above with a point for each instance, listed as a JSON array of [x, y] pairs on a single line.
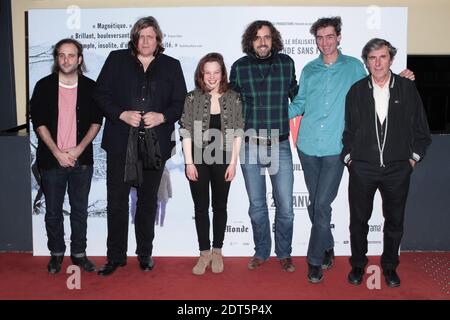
[[381, 96]]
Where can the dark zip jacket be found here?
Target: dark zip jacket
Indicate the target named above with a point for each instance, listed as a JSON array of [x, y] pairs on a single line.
[[405, 127]]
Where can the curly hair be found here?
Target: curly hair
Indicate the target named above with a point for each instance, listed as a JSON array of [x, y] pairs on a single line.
[[55, 67], [252, 30], [199, 79], [136, 30], [335, 22]]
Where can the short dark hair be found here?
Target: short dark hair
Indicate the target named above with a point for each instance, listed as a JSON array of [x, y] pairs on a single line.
[[58, 45], [252, 30], [335, 22], [375, 44], [211, 57], [136, 30]]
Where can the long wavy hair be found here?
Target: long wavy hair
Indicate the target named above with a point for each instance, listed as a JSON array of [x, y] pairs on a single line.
[[252, 30], [199, 74], [136, 30]]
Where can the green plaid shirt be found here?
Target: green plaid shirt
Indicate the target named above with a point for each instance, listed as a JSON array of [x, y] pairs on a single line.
[[265, 88]]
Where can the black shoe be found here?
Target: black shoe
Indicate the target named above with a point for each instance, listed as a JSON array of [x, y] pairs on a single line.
[[146, 263], [315, 274], [391, 277], [356, 276], [328, 259], [84, 263], [110, 267], [54, 265]]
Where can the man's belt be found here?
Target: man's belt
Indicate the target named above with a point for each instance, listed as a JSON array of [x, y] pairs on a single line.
[[266, 141]]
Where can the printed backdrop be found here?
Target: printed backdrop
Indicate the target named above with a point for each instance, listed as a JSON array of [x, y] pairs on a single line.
[[190, 33]]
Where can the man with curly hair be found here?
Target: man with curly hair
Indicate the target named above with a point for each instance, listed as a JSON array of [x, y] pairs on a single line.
[[265, 79], [324, 83]]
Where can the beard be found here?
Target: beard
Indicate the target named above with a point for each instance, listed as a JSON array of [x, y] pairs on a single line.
[[68, 71], [263, 54]]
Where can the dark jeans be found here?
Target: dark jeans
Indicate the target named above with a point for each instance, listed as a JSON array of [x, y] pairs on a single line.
[[393, 183], [214, 173], [77, 181], [322, 177], [118, 211]]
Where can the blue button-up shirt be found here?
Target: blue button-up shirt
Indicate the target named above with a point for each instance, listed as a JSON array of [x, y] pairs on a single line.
[[321, 101]]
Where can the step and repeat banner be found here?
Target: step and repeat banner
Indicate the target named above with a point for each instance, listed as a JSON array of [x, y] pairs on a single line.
[[190, 33]]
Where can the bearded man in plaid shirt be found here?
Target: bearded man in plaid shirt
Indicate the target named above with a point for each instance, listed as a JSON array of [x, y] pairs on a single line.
[[265, 79]]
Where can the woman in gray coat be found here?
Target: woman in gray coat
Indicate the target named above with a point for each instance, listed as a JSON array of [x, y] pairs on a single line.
[[211, 129]]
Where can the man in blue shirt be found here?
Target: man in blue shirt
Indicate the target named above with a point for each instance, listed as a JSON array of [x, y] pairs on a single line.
[[324, 83]]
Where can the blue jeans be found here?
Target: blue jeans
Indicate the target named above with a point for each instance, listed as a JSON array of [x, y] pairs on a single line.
[[77, 181], [277, 160], [322, 177]]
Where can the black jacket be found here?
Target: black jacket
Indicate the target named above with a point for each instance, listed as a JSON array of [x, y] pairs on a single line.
[[407, 130], [122, 85], [44, 112]]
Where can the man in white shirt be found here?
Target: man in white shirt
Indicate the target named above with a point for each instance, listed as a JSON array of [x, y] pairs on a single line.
[[386, 133]]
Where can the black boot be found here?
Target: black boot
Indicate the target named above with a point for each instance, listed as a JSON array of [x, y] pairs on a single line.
[[315, 274], [146, 263], [110, 267], [356, 276], [84, 263], [391, 277], [54, 265], [328, 259]]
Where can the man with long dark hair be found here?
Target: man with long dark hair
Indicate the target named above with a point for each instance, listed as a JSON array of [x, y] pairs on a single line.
[[265, 78], [66, 121], [141, 91]]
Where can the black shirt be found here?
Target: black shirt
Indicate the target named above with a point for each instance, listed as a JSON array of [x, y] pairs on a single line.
[[208, 152], [123, 85]]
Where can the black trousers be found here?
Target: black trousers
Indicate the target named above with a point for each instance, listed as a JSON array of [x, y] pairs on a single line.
[[393, 183], [118, 211], [214, 174]]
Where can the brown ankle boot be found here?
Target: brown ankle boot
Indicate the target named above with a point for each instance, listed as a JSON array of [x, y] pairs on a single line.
[[217, 260], [202, 263]]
